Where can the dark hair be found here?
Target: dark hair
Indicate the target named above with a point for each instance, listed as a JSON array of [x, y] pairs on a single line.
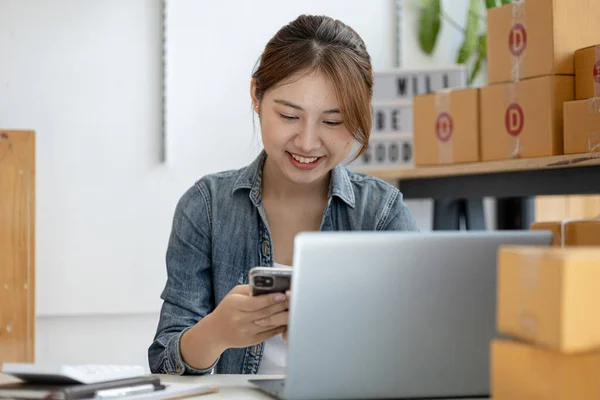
[[319, 43]]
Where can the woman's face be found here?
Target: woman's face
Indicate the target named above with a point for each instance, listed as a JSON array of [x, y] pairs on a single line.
[[302, 128]]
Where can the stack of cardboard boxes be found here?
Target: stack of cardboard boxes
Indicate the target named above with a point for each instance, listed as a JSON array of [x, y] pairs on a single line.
[[547, 302], [567, 233], [547, 297], [531, 46], [582, 116]]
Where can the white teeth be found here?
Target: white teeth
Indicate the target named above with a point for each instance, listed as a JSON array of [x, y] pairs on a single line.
[[304, 160]]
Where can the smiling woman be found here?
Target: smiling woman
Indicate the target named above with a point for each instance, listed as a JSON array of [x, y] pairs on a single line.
[[312, 90]]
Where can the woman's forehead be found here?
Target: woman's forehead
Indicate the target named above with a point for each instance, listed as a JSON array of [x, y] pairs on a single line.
[[310, 89]]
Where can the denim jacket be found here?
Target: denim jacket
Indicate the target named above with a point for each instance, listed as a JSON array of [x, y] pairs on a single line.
[[220, 231]]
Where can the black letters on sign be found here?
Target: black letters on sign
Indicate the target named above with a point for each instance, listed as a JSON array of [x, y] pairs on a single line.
[[390, 152], [394, 152], [380, 121], [415, 86], [380, 153], [401, 86], [406, 152], [428, 84], [446, 83], [367, 156], [395, 125]]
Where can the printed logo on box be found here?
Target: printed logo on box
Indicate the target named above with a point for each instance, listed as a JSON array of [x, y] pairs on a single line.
[[517, 40], [444, 126], [514, 119], [596, 72]]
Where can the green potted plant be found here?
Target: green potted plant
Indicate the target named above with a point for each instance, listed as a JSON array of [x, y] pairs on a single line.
[[473, 50]]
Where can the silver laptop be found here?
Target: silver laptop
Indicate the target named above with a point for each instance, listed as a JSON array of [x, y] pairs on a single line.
[[393, 314]]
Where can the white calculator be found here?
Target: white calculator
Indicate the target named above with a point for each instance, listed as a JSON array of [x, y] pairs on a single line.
[[64, 373]]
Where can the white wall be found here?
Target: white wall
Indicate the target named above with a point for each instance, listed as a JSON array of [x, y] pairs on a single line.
[[86, 76], [103, 339]]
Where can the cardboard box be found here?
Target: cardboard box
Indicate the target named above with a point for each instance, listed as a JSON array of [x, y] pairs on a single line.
[[582, 126], [549, 296], [447, 127], [524, 119], [587, 72], [523, 372], [539, 36], [577, 232]]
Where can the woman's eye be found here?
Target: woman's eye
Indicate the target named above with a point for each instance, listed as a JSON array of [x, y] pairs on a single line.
[[333, 123], [287, 117]]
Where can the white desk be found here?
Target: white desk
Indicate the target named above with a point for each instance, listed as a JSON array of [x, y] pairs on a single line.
[[230, 386], [233, 387]]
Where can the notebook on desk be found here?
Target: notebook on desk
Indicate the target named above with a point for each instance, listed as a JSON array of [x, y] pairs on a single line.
[[22, 390]]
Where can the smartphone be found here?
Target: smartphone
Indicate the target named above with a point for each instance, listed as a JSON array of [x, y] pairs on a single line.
[[264, 280]]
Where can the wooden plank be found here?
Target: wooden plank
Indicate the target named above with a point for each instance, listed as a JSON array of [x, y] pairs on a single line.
[[489, 167], [17, 246]]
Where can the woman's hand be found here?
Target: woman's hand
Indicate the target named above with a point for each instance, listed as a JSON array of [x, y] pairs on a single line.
[[242, 320]]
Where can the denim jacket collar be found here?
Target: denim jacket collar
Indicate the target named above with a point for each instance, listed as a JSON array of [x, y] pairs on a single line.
[[251, 178]]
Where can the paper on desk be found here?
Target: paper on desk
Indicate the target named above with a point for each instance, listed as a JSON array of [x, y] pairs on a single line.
[[175, 391]]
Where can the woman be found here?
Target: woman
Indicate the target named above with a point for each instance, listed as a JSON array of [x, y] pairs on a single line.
[[311, 91]]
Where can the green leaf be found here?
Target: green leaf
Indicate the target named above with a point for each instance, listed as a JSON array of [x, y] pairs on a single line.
[[483, 46], [490, 3], [475, 70], [504, 2], [429, 25], [470, 40]]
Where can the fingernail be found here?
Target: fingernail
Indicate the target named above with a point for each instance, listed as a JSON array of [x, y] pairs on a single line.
[[279, 297], [288, 293], [260, 322]]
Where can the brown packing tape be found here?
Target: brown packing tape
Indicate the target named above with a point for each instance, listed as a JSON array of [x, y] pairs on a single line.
[[596, 71], [517, 39], [514, 120], [593, 107], [593, 104], [444, 127], [530, 276], [565, 222], [514, 116]]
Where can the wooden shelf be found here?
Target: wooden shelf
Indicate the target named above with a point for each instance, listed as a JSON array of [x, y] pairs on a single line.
[[489, 167], [570, 174]]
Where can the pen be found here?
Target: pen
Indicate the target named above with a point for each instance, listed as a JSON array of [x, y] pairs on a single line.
[[126, 391]]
